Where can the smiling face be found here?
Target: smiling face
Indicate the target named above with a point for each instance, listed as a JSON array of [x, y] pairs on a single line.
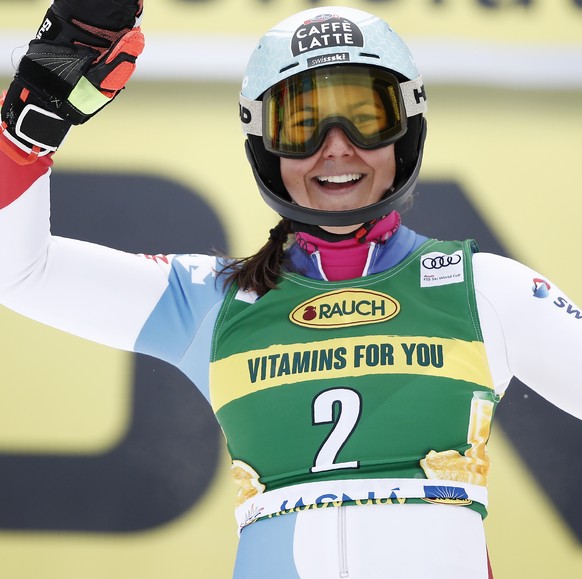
[[339, 176]]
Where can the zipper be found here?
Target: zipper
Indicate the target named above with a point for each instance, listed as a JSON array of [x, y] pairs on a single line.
[[342, 542], [316, 259], [372, 252]]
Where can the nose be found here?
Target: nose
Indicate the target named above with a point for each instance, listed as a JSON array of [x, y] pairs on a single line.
[[336, 143]]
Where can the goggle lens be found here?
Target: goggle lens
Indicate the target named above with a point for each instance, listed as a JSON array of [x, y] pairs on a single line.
[[366, 102]]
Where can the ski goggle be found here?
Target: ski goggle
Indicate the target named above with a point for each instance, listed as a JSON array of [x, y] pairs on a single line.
[[366, 102]]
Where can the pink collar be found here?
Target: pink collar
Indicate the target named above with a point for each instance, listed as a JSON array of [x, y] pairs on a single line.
[[346, 259]]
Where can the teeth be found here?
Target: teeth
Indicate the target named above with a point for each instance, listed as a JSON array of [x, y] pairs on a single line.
[[341, 178]]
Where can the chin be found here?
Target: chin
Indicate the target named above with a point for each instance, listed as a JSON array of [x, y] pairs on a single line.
[[341, 229]]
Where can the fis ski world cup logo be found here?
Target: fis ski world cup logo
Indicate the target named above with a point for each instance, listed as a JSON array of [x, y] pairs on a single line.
[[438, 268], [346, 307]]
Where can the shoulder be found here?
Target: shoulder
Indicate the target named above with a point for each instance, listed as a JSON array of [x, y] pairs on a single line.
[[508, 285], [198, 268], [525, 301], [497, 273], [194, 280]]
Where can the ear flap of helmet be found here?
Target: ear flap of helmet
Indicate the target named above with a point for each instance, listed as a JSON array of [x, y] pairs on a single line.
[[408, 148], [268, 166]]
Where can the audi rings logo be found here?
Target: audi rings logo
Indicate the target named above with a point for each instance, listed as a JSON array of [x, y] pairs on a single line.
[[440, 261], [437, 268]]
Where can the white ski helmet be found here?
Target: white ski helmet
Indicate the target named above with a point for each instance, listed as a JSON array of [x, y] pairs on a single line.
[[310, 49]]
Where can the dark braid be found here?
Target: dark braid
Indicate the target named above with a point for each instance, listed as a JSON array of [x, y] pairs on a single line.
[[260, 271]]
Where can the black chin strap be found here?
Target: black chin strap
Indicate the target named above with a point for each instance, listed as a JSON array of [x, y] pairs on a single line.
[[360, 233]]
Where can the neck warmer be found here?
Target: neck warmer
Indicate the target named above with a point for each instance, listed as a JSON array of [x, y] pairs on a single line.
[[347, 258]]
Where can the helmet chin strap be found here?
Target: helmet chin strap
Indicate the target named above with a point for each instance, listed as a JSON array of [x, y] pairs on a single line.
[[359, 233]]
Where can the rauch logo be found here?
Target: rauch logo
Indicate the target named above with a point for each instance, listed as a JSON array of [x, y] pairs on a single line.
[[349, 307]]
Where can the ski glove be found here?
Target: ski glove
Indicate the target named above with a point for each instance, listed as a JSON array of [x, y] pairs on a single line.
[[83, 55]]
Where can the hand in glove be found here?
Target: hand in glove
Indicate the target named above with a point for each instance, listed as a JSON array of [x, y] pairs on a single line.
[[82, 57]]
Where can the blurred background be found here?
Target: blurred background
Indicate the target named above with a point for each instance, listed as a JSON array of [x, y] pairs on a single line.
[[111, 464]]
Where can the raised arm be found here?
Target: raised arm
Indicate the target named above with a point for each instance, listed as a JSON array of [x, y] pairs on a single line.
[[95, 292], [80, 59]]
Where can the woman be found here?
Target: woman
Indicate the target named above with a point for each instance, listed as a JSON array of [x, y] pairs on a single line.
[[355, 365]]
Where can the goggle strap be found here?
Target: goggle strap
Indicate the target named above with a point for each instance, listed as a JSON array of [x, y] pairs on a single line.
[[251, 116], [414, 96]]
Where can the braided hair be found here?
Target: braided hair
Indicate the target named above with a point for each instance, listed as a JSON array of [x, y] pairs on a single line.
[[261, 271]]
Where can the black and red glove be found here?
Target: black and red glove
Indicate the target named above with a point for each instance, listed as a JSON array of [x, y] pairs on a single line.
[[83, 55]]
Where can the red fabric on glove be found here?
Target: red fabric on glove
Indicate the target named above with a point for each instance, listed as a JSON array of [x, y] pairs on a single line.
[[131, 44]]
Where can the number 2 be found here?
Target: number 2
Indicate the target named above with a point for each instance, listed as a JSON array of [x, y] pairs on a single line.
[[349, 410]]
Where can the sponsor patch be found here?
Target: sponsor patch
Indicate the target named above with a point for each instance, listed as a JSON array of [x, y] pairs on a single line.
[[438, 268], [325, 31], [328, 58], [346, 307]]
